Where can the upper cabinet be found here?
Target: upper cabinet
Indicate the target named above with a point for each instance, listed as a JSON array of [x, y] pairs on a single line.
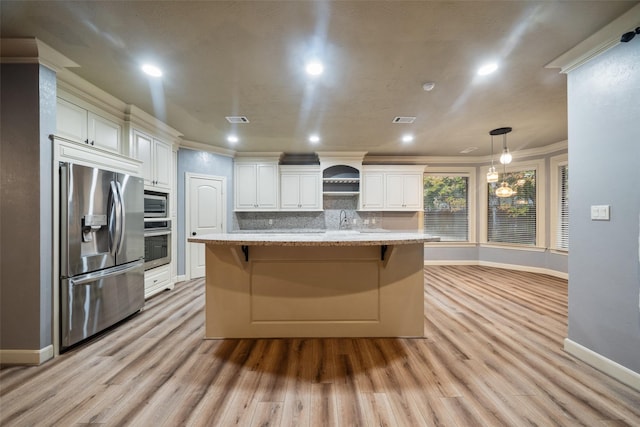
[[300, 188], [372, 197], [256, 185], [156, 158], [392, 188], [79, 124]]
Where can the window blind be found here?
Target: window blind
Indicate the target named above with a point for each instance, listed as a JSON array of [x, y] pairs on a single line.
[[513, 219], [562, 233], [446, 212]]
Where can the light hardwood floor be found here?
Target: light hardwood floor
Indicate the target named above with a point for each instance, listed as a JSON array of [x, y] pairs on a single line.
[[492, 356]]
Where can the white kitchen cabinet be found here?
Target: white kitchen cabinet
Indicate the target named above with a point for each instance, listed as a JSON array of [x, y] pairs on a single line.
[[372, 192], [403, 191], [156, 158], [157, 280], [392, 188], [256, 186], [300, 188], [79, 124]]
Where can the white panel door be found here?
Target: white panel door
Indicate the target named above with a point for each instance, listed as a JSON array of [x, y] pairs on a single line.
[[394, 192], [373, 190], [71, 121], [245, 186], [205, 212], [141, 149], [162, 165], [310, 191], [267, 186], [413, 192], [104, 133], [290, 191]]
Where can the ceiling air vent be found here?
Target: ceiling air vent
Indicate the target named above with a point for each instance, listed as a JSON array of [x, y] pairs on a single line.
[[405, 119], [237, 119]]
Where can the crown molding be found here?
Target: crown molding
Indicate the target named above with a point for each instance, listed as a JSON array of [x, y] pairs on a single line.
[[459, 160], [138, 117], [193, 145], [598, 43], [33, 51]]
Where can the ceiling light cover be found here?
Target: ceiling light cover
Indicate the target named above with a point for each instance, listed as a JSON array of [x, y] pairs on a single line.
[[487, 69], [314, 68], [407, 138], [152, 70], [232, 139], [314, 139]]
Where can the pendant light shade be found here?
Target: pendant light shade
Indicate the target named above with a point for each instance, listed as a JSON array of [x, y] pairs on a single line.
[[504, 190], [492, 175], [505, 157]]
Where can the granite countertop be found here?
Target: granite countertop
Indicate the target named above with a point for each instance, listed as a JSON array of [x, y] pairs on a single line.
[[320, 238]]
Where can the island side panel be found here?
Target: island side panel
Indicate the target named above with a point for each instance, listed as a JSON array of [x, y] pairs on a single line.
[[310, 291]]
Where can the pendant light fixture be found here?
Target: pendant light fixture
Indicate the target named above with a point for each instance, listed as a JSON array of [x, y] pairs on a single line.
[[505, 157], [492, 175], [504, 190]]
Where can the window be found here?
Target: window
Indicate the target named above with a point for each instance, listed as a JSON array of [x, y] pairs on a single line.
[[446, 207], [513, 219], [562, 233], [559, 198]]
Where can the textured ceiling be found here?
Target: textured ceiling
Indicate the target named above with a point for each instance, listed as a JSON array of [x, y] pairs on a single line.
[[247, 58]]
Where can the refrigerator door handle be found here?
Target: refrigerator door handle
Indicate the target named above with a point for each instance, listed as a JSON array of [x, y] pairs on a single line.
[[116, 214], [122, 222], [114, 271]]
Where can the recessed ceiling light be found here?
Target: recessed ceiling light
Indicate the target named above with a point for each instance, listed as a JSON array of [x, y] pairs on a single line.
[[232, 139], [407, 138], [314, 68], [487, 69], [152, 70], [314, 139]]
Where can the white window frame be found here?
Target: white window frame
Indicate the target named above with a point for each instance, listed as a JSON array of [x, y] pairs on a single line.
[[554, 199], [470, 174], [539, 166]]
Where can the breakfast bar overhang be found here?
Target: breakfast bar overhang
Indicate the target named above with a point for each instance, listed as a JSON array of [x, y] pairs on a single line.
[[333, 284]]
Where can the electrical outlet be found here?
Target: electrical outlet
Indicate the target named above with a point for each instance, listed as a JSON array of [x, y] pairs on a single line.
[[270, 221], [366, 222], [373, 220]]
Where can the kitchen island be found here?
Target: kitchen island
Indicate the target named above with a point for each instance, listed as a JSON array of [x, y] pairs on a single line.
[[324, 284]]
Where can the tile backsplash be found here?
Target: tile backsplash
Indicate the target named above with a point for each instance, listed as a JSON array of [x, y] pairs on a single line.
[[328, 219]]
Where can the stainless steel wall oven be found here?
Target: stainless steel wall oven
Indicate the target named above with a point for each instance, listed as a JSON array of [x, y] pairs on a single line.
[[156, 204], [157, 242]]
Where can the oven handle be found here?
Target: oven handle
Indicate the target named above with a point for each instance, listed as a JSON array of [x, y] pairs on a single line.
[[156, 233]]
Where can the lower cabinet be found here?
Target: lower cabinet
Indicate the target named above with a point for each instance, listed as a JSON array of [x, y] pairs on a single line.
[[157, 280]]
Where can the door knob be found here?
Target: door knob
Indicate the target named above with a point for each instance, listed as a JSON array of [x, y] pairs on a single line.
[[193, 233]]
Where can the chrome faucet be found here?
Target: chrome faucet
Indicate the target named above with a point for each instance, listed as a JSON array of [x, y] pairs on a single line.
[[343, 220]]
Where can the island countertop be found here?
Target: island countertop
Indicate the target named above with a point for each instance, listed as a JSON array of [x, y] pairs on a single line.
[[328, 238]]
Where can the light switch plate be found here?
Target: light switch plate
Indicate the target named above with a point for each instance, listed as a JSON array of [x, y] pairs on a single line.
[[600, 212]]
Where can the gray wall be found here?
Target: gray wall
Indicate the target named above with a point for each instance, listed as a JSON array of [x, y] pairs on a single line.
[[28, 99], [604, 164], [207, 164]]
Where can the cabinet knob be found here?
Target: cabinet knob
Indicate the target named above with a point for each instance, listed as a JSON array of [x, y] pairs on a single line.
[[92, 142], [86, 141], [193, 233]]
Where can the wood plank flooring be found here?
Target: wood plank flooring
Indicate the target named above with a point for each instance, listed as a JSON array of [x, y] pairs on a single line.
[[492, 356]]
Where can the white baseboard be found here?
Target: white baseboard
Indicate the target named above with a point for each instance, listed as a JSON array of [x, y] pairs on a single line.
[[601, 363], [181, 278], [554, 273], [26, 357]]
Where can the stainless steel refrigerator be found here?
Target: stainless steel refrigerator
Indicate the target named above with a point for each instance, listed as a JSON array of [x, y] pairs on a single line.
[[101, 250]]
